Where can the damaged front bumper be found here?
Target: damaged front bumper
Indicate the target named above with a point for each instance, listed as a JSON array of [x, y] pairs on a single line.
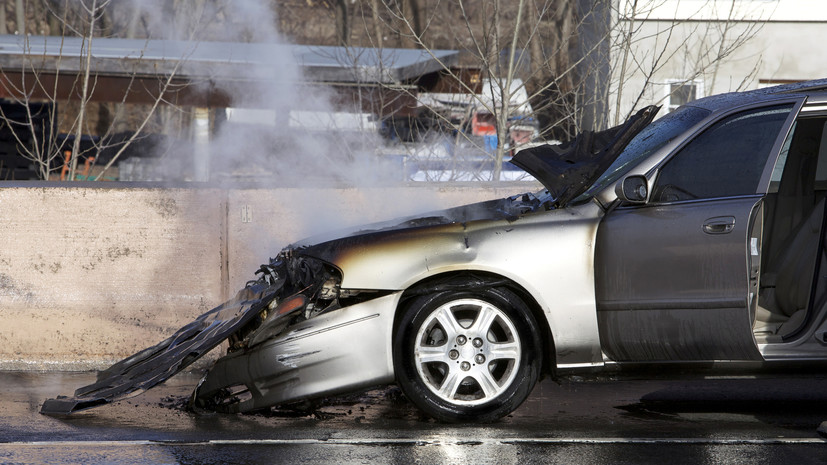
[[332, 353], [289, 336]]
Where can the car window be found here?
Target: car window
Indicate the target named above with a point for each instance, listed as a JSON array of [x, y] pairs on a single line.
[[659, 133], [725, 160], [807, 140]]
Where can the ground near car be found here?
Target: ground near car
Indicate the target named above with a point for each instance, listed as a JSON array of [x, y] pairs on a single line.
[[645, 421]]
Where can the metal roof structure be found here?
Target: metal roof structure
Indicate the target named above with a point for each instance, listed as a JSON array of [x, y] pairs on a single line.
[[119, 64]]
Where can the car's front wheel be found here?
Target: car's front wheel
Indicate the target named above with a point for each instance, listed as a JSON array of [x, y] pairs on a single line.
[[467, 355]]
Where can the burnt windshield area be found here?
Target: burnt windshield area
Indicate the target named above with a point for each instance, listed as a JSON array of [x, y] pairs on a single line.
[[648, 141]]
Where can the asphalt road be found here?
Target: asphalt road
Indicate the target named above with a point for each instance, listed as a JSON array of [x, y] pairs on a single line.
[[679, 421]]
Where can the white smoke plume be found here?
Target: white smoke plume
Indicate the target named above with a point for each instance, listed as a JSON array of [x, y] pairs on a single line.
[[280, 132]]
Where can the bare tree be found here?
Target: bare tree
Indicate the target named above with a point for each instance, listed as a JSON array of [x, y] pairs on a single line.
[[93, 11], [646, 46], [35, 87], [3, 29], [520, 50], [20, 16], [572, 61]]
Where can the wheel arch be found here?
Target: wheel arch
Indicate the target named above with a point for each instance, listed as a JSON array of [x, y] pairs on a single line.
[[471, 279]]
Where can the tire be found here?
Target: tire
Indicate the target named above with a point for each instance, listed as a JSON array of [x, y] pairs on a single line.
[[467, 356]]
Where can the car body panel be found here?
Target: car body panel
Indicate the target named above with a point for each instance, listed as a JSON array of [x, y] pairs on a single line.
[[342, 350], [669, 285], [555, 269], [668, 290]]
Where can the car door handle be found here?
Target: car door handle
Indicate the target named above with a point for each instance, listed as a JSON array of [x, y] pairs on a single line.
[[719, 225]]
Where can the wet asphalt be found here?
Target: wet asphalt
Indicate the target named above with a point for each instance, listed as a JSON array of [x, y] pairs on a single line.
[[642, 421]]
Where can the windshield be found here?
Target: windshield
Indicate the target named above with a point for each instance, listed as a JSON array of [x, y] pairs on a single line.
[[647, 142]]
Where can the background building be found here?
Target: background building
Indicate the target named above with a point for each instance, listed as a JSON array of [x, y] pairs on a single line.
[[680, 50]]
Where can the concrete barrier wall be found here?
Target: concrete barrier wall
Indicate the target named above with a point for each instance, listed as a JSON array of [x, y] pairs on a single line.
[[90, 274]]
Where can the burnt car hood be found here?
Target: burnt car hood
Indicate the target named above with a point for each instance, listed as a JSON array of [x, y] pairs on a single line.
[[567, 170], [509, 208]]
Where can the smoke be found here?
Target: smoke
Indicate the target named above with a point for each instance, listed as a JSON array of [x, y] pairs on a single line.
[[281, 131], [199, 20]]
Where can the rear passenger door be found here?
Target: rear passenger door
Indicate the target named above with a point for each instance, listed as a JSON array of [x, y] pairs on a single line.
[[673, 276]]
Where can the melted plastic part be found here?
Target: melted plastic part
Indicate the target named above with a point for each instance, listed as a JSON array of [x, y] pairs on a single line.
[[154, 365], [567, 170]]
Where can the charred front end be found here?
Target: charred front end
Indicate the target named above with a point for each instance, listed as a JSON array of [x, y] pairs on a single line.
[[309, 340]]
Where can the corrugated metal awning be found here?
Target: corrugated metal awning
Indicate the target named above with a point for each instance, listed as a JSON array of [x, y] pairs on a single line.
[[196, 61]]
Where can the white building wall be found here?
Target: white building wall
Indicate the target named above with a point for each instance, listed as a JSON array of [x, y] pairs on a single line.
[[674, 41]]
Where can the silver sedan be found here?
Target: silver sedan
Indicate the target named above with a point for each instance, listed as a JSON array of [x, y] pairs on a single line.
[[697, 237]]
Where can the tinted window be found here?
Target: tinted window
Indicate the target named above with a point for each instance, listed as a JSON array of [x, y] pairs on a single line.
[[725, 160], [802, 162]]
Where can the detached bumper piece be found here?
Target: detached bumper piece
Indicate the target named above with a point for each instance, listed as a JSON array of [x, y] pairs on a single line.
[[156, 364]]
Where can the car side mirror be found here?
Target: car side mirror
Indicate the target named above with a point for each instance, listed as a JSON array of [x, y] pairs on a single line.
[[634, 189]]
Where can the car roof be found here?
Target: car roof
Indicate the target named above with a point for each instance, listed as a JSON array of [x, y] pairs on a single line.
[[730, 100]]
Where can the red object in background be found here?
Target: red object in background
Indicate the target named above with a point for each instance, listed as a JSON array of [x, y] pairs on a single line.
[[67, 158], [483, 124]]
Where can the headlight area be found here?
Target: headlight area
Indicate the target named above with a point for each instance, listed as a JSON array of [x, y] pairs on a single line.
[[310, 287], [321, 283]]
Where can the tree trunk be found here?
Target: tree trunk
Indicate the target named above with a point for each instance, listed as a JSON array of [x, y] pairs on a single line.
[[550, 86], [20, 17], [377, 23], [3, 29], [84, 98], [342, 22], [411, 11]]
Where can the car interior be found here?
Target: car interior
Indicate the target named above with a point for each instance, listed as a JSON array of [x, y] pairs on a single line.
[[793, 258]]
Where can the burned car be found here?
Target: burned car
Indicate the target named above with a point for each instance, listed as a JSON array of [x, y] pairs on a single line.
[[697, 238]]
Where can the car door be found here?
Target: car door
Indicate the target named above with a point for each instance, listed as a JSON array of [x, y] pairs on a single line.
[[676, 277]]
